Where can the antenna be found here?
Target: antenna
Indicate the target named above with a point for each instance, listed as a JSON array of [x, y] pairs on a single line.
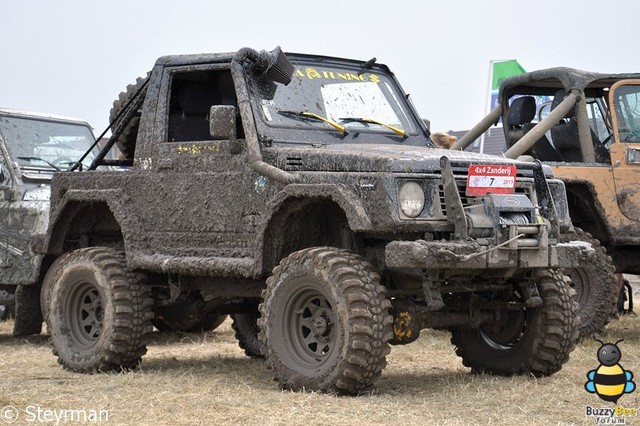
[[367, 65]]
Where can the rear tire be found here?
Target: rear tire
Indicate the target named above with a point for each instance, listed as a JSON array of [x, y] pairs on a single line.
[[325, 322], [100, 312], [246, 331], [26, 311], [531, 341]]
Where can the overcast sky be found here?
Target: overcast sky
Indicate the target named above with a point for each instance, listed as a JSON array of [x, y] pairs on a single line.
[[73, 57]]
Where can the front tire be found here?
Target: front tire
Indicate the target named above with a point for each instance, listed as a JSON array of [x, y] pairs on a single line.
[[100, 312], [325, 322], [530, 341], [594, 282], [48, 283]]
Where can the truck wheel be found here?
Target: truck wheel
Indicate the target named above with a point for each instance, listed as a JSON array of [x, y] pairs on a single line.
[[325, 322], [100, 312], [595, 286], [246, 331], [127, 140], [530, 341]]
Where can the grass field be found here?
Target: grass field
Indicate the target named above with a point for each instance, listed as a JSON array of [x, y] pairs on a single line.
[[205, 379]]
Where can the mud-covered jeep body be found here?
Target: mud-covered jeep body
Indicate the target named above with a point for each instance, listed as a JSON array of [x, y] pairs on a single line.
[[302, 195], [32, 147]]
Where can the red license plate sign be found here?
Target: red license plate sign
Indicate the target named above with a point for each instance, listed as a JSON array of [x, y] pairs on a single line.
[[491, 179]]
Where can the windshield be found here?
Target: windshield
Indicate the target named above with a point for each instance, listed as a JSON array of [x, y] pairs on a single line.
[[627, 107], [40, 143], [341, 100]]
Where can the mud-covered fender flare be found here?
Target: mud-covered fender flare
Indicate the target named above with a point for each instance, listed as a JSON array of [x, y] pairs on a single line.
[[357, 215], [72, 202]]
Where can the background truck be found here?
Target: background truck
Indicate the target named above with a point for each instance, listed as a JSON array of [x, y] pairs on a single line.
[[302, 195], [585, 126], [32, 147]]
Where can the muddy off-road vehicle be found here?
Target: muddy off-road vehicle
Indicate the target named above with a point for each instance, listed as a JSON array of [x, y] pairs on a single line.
[[32, 147], [586, 127], [303, 196]]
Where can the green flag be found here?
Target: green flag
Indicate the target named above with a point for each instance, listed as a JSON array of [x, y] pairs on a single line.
[[502, 70]]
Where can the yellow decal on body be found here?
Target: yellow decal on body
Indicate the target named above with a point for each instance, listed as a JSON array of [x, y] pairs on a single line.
[[197, 149]]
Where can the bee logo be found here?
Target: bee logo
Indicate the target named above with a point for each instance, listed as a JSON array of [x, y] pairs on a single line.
[[609, 381]]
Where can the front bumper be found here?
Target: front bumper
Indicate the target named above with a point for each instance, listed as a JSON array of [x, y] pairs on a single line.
[[432, 255]]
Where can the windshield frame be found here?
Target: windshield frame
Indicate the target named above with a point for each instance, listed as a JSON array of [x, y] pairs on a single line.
[[307, 131]]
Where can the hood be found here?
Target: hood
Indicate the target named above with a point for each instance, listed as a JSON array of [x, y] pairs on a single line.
[[376, 158]]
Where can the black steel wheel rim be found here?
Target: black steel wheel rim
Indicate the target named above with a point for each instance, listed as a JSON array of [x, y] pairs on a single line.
[[312, 327], [84, 314]]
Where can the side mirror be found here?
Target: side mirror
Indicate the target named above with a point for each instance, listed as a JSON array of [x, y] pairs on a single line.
[[222, 122]]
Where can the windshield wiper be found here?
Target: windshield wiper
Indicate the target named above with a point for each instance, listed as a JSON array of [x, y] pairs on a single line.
[[40, 159], [316, 117], [380, 123]]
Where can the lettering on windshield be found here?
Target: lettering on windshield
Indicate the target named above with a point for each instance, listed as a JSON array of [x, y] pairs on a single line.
[[312, 73]]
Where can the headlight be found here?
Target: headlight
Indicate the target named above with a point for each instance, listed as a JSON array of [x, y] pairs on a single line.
[[411, 199]]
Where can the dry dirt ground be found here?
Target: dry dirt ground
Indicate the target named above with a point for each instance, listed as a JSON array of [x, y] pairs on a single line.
[[205, 379]]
